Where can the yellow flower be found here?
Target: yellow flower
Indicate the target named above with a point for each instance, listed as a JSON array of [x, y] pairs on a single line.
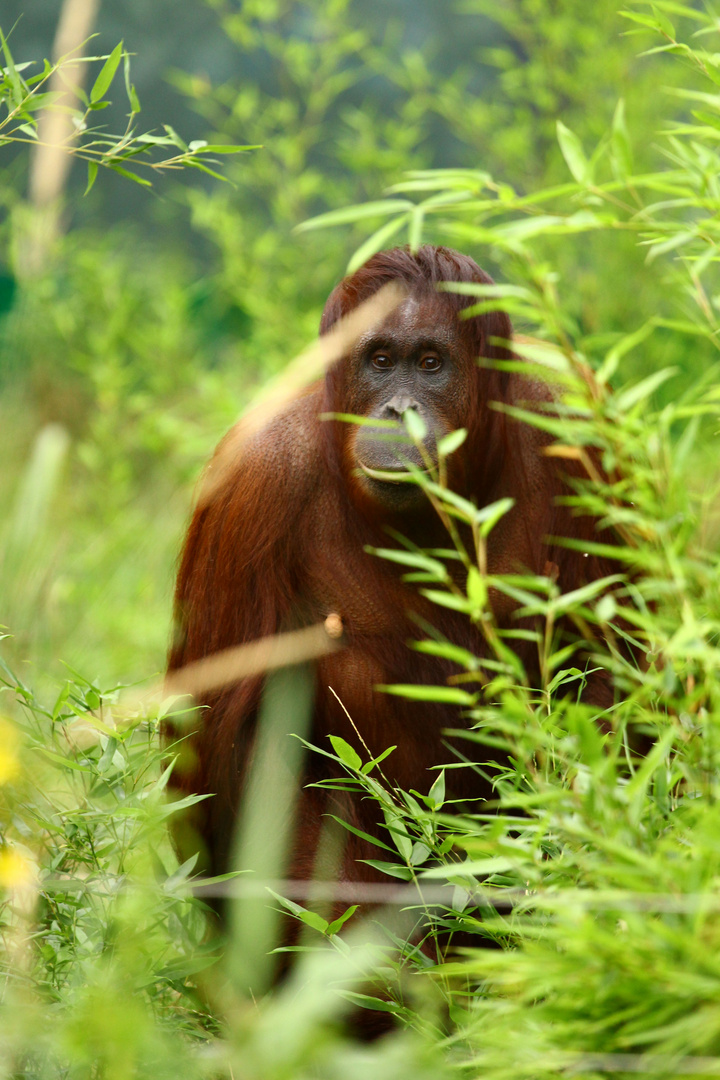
[[15, 869], [9, 746]]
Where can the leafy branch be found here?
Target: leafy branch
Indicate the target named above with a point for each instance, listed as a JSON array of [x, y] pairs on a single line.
[[23, 98]]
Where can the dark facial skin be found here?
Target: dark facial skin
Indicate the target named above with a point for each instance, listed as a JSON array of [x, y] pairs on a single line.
[[416, 360]]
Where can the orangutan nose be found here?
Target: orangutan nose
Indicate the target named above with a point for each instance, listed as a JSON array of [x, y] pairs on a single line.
[[394, 409]]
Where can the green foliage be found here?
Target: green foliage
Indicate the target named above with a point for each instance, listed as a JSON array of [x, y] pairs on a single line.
[[325, 143], [145, 352], [595, 869], [343, 105], [115, 933], [92, 348], [23, 98], [561, 59], [103, 958]]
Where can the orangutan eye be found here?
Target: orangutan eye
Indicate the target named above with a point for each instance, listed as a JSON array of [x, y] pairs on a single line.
[[430, 363], [381, 362]]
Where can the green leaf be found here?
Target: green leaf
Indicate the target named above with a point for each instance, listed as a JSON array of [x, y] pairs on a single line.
[[92, 175], [358, 832], [606, 608], [194, 163], [488, 516], [449, 695], [476, 589], [289, 905], [396, 870], [154, 140], [623, 346], [414, 425], [66, 763], [41, 101], [129, 88], [561, 656], [370, 765], [419, 854], [168, 809], [341, 920], [28, 64], [627, 398], [450, 443], [577, 597], [413, 558], [567, 675], [573, 153], [107, 761], [376, 242], [367, 1002], [61, 700], [131, 176], [467, 509], [349, 214], [621, 145], [345, 752], [448, 651], [398, 831], [642, 20], [107, 74], [315, 921], [182, 873], [655, 759], [175, 138], [12, 74], [219, 148], [679, 239], [447, 600], [436, 794], [477, 867], [417, 220], [664, 23], [181, 968]]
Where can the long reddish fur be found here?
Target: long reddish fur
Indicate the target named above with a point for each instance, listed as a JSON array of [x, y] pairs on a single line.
[[282, 544]]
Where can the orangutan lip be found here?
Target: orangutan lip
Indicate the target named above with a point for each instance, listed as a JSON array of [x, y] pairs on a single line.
[[390, 476]]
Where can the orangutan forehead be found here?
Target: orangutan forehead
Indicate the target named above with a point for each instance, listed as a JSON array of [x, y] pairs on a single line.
[[418, 317]]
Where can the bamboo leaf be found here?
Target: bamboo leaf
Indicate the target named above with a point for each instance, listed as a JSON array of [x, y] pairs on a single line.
[[573, 153], [350, 214], [107, 74], [345, 752], [450, 695], [92, 176]]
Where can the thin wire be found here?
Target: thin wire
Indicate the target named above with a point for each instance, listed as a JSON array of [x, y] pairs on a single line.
[[362, 892]]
